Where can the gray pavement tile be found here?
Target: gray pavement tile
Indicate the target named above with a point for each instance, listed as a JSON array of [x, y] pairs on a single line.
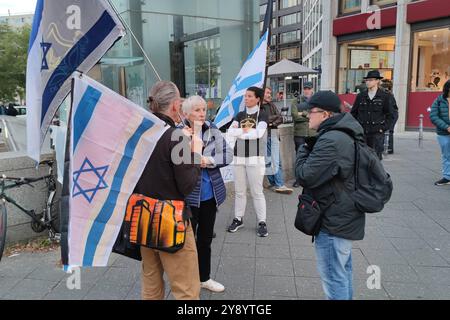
[[306, 269], [362, 292], [48, 274], [124, 262], [236, 265], [239, 250], [206, 295], [303, 252], [274, 267], [29, 289], [398, 273], [6, 284], [408, 244], [265, 297], [279, 239], [121, 277], [236, 284], [244, 235], [273, 251], [384, 256], [18, 269], [399, 232], [426, 233], [442, 292], [309, 287], [277, 286], [431, 204], [228, 295], [91, 275], [408, 291], [62, 292], [424, 257], [434, 275], [108, 292]]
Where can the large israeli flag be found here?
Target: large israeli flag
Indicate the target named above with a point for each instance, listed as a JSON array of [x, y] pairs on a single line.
[[67, 35], [251, 74], [112, 140]]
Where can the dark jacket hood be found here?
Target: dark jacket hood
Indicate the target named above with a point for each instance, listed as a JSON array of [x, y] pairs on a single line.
[[343, 122]]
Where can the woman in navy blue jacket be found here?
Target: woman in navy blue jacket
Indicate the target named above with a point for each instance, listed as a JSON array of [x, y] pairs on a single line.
[[210, 190]]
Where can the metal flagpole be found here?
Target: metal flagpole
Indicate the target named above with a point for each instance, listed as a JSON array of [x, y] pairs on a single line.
[[127, 26], [267, 26]]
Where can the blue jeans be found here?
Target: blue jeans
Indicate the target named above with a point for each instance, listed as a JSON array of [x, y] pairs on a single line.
[[444, 142], [334, 262], [273, 161]]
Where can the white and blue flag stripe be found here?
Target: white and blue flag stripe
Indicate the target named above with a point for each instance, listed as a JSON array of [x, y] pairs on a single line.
[[67, 36], [252, 74], [111, 142]]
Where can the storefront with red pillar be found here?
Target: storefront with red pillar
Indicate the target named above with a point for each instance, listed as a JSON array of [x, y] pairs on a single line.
[[361, 47]]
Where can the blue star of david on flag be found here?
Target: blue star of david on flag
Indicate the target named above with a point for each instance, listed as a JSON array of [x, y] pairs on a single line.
[[45, 48], [88, 168]]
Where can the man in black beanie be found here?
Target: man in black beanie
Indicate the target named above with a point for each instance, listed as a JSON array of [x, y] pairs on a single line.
[[325, 168]]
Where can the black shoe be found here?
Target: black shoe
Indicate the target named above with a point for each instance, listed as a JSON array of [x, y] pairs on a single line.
[[442, 182], [235, 225], [296, 184], [262, 230]]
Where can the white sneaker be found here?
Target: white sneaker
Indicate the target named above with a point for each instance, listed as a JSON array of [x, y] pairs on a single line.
[[284, 190], [212, 285]]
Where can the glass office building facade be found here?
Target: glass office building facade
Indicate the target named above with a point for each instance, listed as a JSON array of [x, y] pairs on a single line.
[[198, 44]]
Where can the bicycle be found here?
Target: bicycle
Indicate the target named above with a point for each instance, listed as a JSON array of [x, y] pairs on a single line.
[[47, 219]]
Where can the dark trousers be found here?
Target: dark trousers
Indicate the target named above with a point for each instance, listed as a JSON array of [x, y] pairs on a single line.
[[391, 142], [376, 142], [298, 142], [203, 220]]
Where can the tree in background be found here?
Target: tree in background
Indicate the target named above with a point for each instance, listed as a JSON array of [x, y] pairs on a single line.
[[13, 62]]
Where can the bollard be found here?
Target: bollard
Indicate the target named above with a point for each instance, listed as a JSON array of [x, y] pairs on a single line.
[[421, 131]]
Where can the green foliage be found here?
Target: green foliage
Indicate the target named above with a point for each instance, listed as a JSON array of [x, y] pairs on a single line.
[[13, 61]]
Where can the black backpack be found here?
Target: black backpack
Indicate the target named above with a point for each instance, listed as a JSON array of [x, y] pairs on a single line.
[[373, 185]]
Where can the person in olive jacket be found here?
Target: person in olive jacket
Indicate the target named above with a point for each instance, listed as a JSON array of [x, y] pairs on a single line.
[[300, 118]]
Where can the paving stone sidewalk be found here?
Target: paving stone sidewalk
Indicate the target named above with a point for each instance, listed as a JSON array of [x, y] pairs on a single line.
[[409, 241]]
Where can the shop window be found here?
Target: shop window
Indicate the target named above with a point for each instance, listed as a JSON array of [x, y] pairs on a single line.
[[349, 6], [431, 60], [381, 3], [359, 57]]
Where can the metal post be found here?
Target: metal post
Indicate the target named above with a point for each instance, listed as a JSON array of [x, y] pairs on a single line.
[[421, 131]]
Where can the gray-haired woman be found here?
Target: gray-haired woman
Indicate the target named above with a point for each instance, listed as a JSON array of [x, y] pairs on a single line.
[[210, 191]]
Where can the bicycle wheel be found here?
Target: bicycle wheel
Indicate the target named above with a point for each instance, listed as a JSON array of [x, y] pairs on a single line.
[[55, 215], [3, 223]]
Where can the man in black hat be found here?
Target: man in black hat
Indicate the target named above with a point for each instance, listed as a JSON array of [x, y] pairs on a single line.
[[374, 110], [324, 164]]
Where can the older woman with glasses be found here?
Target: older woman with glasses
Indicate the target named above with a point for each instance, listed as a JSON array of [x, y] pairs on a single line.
[[210, 191]]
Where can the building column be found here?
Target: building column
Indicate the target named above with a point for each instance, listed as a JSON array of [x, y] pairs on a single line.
[[402, 62], [329, 46]]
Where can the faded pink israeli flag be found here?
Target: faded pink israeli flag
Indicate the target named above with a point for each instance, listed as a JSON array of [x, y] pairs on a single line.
[[111, 141]]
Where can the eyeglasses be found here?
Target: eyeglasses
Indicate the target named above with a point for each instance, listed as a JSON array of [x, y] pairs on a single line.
[[310, 112]]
